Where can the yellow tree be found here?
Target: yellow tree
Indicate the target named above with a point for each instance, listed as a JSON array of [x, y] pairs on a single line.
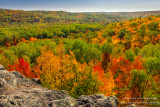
[[48, 66], [56, 71]]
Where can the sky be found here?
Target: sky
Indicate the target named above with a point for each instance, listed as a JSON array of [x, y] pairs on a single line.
[[82, 5]]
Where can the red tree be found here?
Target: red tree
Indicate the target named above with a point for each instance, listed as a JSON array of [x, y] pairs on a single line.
[[121, 69], [23, 67], [106, 79]]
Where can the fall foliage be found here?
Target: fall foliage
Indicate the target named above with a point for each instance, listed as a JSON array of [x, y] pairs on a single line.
[[23, 67], [120, 58]]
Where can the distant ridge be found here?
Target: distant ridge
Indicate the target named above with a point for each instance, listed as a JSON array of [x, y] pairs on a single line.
[[40, 16], [132, 14], [43, 16]]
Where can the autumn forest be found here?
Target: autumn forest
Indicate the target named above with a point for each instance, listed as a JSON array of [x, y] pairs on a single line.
[[84, 53]]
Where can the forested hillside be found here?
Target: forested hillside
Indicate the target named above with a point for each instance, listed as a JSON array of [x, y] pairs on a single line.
[[120, 58], [19, 16]]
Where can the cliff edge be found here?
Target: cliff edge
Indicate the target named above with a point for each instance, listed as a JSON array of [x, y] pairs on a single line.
[[18, 91]]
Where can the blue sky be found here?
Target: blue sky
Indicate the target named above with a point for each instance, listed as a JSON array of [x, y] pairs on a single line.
[[82, 5]]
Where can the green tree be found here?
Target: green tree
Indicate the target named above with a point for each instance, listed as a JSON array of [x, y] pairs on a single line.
[[122, 33], [129, 54], [140, 83], [153, 26], [152, 65], [107, 47]]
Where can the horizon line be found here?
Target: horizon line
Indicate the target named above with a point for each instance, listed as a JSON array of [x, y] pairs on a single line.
[[80, 11]]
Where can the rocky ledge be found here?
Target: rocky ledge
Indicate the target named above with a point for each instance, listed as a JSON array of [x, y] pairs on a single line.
[[18, 91]]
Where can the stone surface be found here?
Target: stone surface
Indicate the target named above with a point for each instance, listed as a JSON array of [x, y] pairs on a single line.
[[97, 100], [18, 91]]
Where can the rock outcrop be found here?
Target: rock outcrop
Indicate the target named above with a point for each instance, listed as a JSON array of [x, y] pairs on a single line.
[[18, 91], [97, 100]]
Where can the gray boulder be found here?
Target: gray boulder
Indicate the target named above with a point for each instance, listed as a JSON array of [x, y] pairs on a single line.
[[97, 100], [18, 91]]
